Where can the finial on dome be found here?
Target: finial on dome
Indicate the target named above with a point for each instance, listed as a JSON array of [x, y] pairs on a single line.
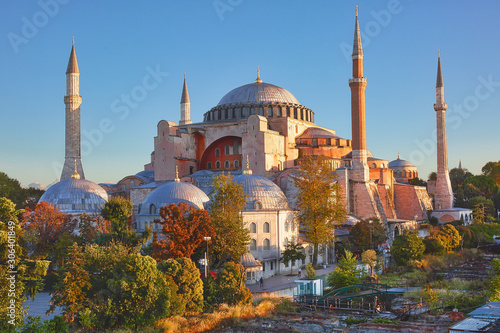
[[247, 171], [398, 156], [356, 10], [177, 174], [258, 80], [75, 175]]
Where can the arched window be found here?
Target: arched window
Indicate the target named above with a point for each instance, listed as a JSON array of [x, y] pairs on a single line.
[[261, 111], [374, 165], [217, 152], [132, 183], [270, 111], [152, 209], [236, 164], [227, 152], [404, 173], [235, 147], [287, 226], [267, 244], [295, 113], [288, 111], [253, 228], [258, 205], [124, 188], [265, 227], [227, 164], [286, 241], [209, 165], [280, 112], [253, 245], [217, 164], [382, 165]]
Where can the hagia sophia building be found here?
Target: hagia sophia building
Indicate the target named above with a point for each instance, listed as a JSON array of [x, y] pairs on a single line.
[[259, 132]]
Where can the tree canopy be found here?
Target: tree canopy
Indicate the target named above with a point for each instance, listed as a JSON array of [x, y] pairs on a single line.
[[292, 253], [360, 233], [231, 236], [320, 201], [183, 229], [407, 247]]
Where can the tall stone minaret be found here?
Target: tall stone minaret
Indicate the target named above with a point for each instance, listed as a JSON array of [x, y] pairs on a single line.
[[360, 171], [73, 100], [443, 194], [185, 105]]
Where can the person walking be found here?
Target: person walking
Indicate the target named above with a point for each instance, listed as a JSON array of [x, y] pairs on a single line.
[[300, 271], [261, 281]]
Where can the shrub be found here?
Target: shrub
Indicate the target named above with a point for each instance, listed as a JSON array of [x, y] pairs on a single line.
[[230, 285], [310, 272]]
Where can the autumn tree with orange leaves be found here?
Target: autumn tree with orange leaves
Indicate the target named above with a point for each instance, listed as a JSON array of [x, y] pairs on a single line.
[[44, 226], [183, 229]]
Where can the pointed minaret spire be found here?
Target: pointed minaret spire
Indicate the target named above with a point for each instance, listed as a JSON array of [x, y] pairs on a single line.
[[439, 80], [258, 80], [185, 105], [357, 49], [73, 100], [358, 116], [444, 194], [460, 164], [72, 63]]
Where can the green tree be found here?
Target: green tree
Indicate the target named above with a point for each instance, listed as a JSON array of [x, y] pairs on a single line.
[[369, 257], [116, 285], [231, 236], [345, 273], [433, 175], [360, 233], [118, 212], [457, 177], [22, 197], [486, 207], [292, 253], [230, 285], [480, 185], [310, 272], [492, 170], [433, 246], [186, 276], [183, 230], [407, 247], [417, 182], [319, 199], [450, 237], [495, 281], [20, 277]]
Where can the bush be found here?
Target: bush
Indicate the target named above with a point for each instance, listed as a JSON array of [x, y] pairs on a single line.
[[354, 321], [35, 325], [310, 272], [230, 285], [433, 246], [407, 247]]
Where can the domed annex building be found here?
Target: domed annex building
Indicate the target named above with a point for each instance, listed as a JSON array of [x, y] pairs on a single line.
[[403, 170]]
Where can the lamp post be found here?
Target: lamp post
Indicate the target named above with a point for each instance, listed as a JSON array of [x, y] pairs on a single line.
[[371, 243], [206, 239]]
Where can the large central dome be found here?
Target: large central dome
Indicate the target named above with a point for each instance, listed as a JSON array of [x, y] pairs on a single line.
[[263, 99], [255, 93]]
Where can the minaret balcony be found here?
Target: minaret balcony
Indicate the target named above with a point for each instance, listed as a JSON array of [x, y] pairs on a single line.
[[358, 79], [440, 107]]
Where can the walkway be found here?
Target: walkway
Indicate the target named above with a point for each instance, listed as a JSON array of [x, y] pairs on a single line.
[[284, 281]]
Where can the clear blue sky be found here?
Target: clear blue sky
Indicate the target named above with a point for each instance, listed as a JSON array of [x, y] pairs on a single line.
[[299, 45]]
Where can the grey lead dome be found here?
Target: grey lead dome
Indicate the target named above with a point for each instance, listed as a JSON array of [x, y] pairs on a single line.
[[76, 196], [255, 93], [262, 190]]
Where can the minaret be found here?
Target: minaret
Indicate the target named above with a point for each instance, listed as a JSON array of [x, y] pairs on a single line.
[[360, 171], [73, 100], [185, 105], [444, 194]]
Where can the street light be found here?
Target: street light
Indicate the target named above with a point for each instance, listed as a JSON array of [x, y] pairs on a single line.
[[206, 239], [371, 243]]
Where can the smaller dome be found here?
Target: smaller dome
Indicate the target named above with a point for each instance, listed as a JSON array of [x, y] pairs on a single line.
[[248, 261], [173, 193], [261, 191], [76, 196], [399, 163], [317, 133]]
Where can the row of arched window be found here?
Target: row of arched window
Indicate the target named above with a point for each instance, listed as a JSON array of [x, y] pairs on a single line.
[[227, 149], [271, 111], [227, 165], [405, 174], [266, 244], [265, 227], [374, 166]]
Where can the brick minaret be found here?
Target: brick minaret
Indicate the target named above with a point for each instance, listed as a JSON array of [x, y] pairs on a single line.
[[443, 194], [357, 84], [185, 105], [73, 100]]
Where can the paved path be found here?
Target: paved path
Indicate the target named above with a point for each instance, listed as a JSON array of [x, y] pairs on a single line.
[[40, 305], [279, 282]]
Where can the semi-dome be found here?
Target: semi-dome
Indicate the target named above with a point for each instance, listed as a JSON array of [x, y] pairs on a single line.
[[255, 93], [399, 163], [262, 193], [75, 196], [173, 193]]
